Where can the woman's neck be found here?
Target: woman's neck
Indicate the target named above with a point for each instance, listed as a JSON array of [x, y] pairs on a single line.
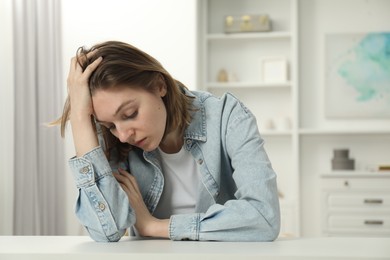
[[172, 142]]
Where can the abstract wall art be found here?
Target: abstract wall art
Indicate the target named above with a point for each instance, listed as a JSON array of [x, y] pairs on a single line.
[[357, 75]]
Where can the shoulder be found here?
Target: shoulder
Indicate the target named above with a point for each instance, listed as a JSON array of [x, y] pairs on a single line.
[[227, 101], [224, 112]]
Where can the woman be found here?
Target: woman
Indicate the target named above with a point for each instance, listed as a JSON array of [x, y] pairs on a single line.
[[166, 161]]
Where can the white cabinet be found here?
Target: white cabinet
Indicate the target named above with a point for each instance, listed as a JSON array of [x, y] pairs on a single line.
[[356, 204], [242, 57]]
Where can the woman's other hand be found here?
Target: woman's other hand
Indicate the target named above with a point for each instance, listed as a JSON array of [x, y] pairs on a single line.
[[146, 224]]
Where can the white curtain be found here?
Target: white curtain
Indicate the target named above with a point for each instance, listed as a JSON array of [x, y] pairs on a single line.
[[7, 116], [39, 157]]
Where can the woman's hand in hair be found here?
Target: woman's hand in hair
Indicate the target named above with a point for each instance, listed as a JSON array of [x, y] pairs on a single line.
[[84, 136], [78, 89], [146, 224]]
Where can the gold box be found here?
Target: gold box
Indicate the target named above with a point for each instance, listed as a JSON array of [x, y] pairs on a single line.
[[247, 23]]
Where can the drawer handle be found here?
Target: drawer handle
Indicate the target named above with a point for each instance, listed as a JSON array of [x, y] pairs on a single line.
[[373, 222], [373, 201]]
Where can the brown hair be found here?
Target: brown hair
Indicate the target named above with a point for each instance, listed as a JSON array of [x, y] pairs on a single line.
[[125, 65]]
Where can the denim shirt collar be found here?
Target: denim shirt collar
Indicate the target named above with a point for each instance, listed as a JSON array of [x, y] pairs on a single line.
[[197, 128]]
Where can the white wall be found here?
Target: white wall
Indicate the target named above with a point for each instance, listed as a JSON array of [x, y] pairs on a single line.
[[7, 118], [318, 17], [164, 29]]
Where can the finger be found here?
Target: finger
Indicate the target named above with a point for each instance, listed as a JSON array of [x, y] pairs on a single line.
[[75, 66], [122, 182], [91, 67], [122, 179], [128, 188], [91, 53], [73, 63], [85, 56], [128, 176], [130, 181]]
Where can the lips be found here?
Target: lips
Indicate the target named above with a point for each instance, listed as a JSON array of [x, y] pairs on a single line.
[[140, 142]]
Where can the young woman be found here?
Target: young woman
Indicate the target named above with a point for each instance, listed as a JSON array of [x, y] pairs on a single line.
[[160, 159]]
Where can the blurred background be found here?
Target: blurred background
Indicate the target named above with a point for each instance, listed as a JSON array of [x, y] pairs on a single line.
[[314, 72]]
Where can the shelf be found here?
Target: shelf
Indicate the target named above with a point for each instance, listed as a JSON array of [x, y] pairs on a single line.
[[244, 36], [248, 85], [356, 173], [307, 131], [276, 133]]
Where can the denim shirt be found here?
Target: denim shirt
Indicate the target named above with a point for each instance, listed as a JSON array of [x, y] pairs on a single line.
[[237, 199]]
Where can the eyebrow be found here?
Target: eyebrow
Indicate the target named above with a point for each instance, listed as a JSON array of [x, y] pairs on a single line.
[[117, 110], [123, 105]]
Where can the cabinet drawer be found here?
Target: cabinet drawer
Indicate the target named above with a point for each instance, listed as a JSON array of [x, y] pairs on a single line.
[[361, 184], [365, 200], [375, 222]]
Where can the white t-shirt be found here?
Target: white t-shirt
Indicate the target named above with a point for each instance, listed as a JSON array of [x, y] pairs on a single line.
[[181, 180]]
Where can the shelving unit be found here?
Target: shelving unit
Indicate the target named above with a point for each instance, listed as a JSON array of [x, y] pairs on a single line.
[[272, 103], [301, 153]]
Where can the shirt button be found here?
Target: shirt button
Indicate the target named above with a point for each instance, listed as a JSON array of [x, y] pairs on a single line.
[[189, 141], [102, 206], [200, 161], [84, 170]]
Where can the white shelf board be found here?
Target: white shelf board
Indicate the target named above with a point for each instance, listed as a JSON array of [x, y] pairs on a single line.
[[266, 133], [244, 36], [356, 173], [248, 85], [308, 131]]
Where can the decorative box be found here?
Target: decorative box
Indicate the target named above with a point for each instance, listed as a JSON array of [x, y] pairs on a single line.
[[247, 23]]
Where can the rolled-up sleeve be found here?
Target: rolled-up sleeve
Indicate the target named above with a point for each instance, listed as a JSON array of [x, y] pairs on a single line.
[[102, 206]]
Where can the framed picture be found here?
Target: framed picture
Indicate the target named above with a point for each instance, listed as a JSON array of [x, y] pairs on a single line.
[[274, 70], [357, 75]]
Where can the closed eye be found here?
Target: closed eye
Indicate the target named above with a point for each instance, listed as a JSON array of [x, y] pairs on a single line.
[[133, 115], [109, 126]]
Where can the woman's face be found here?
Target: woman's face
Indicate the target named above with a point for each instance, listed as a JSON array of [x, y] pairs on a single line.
[[133, 115]]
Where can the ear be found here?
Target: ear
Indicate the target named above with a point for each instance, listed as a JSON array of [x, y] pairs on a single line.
[[162, 86]]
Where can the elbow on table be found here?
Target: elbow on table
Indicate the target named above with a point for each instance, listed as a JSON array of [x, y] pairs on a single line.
[[274, 232], [268, 233], [101, 237], [263, 235]]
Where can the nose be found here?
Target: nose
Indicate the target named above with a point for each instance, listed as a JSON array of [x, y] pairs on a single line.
[[124, 134]]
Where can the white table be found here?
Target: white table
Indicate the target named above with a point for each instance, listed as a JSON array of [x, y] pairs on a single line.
[[82, 247]]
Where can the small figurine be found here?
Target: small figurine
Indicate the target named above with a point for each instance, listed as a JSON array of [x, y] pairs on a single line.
[[222, 76]]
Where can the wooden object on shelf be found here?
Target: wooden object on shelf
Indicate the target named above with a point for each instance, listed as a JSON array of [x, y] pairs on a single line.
[[222, 76], [384, 167]]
